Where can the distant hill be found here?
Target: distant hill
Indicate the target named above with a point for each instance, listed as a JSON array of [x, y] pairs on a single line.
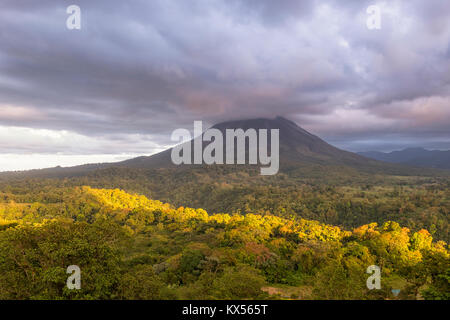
[[418, 157]]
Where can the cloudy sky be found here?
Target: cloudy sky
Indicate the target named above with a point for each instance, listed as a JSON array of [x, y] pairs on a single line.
[[137, 70]]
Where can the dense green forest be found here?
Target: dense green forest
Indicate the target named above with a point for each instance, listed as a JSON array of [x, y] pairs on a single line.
[[337, 196], [130, 247]]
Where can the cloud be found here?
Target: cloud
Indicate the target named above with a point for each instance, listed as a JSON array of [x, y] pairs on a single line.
[[136, 71], [20, 140]]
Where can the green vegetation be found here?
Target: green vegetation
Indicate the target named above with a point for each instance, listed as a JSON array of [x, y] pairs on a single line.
[[130, 247], [332, 195]]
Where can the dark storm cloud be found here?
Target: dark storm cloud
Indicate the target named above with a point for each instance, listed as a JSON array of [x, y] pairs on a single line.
[[148, 67]]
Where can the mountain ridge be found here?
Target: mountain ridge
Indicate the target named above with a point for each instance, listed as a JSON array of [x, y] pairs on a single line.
[[418, 156]]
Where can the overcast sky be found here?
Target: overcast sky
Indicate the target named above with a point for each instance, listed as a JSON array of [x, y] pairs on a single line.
[[137, 70]]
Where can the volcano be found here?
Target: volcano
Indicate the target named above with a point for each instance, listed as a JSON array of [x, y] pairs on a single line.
[[299, 151], [297, 146]]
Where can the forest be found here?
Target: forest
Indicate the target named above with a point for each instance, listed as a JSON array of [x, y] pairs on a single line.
[[131, 247], [333, 195]]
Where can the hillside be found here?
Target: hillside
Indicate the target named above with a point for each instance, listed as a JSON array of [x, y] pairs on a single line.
[[131, 247]]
